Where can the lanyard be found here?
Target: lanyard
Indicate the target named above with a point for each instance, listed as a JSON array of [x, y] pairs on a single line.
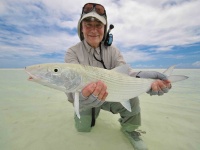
[[101, 60]]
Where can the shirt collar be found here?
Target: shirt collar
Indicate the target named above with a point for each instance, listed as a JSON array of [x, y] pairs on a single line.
[[89, 48]]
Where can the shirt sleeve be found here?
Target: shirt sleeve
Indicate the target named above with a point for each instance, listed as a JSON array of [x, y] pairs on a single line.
[[117, 58], [71, 57]]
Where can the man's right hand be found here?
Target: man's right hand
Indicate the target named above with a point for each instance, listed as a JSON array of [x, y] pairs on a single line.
[[93, 95], [98, 89]]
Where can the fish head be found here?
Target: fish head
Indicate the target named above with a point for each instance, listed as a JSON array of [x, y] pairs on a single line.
[[58, 76]]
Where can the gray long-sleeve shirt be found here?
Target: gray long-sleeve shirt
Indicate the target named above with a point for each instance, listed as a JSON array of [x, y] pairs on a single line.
[[82, 53]]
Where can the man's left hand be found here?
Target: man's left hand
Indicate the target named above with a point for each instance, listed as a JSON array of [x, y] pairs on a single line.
[[159, 86]]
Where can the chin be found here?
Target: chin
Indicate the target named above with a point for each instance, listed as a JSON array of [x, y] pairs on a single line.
[[95, 41]]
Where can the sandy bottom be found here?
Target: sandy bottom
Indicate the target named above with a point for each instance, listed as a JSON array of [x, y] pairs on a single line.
[[33, 117]]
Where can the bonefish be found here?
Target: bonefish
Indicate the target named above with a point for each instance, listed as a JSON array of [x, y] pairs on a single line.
[[72, 78]]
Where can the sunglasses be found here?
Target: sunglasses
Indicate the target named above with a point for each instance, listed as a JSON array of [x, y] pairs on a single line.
[[91, 6]]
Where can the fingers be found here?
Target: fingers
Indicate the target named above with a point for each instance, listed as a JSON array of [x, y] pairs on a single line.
[[104, 96], [94, 95], [167, 84], [160, 87], [89, 89], [98, 89], [157, 85]]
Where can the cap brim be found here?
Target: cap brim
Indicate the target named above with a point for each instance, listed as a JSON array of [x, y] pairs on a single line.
[[95, 15]]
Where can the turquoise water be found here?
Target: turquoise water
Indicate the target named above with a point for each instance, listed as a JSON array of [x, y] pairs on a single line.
[[37, 117]]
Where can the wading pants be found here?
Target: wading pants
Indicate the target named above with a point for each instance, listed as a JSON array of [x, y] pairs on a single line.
[[129, 120]]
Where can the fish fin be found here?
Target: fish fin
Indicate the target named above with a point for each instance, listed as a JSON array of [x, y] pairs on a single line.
[[76, 104], [176, 78], [173, 78], [169, 71], [127, 105], [122, 69]]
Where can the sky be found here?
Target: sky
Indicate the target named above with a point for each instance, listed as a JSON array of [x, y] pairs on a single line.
[[149, 33]]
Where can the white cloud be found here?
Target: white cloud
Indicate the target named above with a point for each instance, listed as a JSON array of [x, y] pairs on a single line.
[[2, 7], [37, 45], [164, 48], [144, 23], [146, 66], [135, 55], [36, 27], [151, 22], [196, 64]]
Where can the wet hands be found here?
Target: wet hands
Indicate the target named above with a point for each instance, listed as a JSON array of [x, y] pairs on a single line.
[[93, 95], [158, 87]]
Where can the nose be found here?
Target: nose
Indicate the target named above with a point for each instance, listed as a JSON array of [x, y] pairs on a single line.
[[93, 28]]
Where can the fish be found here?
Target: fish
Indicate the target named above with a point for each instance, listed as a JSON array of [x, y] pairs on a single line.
[[72, 78]]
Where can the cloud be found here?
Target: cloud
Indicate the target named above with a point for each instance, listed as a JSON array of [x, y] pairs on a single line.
[[196, 64], [142, 22], [135, 55], [44, 29]]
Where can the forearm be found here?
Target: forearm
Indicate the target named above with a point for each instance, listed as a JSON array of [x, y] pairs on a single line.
[[160, 86]]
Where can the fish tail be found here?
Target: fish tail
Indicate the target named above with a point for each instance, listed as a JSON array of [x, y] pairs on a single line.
[[173, 78]]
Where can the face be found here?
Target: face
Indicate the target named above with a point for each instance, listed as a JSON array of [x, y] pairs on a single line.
[[93, 32]]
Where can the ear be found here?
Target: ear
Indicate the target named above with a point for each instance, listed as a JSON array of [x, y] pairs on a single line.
[[81, 31], [81, 27]]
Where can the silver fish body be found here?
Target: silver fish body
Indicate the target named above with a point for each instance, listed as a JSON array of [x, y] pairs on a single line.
[[72, 78]]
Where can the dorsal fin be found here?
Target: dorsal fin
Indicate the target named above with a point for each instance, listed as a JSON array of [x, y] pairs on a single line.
[[122, 69]]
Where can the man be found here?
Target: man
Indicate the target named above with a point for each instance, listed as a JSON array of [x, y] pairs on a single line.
[[92, 29]]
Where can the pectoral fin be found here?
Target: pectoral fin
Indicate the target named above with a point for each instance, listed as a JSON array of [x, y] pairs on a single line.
[[76, 104], [127, 105]]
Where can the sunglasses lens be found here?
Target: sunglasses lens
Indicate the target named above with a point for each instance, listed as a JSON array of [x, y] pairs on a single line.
[[100, 9], [88, 8]]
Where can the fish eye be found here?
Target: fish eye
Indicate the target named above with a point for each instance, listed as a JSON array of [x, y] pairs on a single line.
[[55, 70]]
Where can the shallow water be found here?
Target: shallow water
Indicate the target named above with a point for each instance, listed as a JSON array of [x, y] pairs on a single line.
[[37, 117]]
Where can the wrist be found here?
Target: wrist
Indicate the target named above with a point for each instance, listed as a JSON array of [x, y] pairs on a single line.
[[82, 97]]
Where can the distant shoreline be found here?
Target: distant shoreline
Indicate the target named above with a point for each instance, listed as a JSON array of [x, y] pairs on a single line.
[[11, 68], [133, 68]]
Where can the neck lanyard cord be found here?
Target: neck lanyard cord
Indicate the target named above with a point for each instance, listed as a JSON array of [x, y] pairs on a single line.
[[101, 60]]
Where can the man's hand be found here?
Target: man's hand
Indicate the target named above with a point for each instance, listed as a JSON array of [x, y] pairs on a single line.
[[98, 89], [93, 95], [158, 87]]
